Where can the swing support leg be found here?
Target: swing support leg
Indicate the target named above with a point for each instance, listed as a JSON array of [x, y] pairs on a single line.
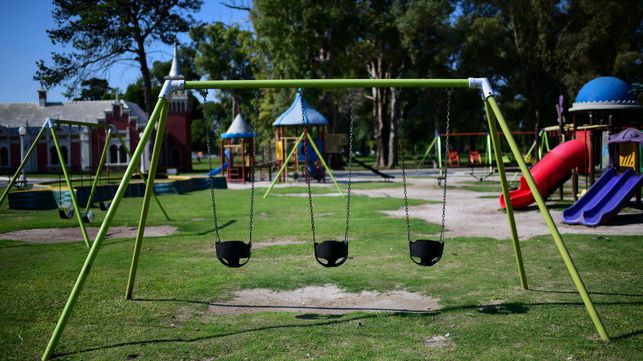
[[72, 194], [102, 232], [426, 154], [149, 190], [144, 178], [22, 165], [98, 170], [312, 142], [274, 181], [495, 140], [558, 240]]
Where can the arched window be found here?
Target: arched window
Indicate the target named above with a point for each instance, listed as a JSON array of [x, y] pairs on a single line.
[[4, 156], [113, 154], [122, 154]]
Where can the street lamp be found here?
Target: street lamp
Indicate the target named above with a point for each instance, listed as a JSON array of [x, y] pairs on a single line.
[[23, 131]]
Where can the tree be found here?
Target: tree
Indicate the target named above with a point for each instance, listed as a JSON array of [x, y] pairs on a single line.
[[106, 32], [305, 39], [610, 32], [221, 52], [95, 89]]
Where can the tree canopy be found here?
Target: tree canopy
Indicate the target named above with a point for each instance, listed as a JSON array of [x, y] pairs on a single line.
[[102, 33]]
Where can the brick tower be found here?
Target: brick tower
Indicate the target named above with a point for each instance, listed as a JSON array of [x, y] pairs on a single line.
[[178, 137]]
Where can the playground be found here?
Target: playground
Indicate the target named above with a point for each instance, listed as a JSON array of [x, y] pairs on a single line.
[[185, 303]]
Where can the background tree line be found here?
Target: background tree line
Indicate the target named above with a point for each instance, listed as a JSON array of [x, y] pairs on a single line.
[[533, 51]]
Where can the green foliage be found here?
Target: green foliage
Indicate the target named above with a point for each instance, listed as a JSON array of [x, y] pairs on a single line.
[[102, 33], [95, 89]]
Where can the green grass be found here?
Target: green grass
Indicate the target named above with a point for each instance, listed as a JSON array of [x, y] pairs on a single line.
[[179, 275]]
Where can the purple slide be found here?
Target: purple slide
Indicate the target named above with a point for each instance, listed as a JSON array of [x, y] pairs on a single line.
[[604, 199], [574, 214]]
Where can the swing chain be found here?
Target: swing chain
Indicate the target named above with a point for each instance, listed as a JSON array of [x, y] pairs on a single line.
[[350, 164], [445, 166], [406, 198], [306, 171], [252, 170], [204, 93]]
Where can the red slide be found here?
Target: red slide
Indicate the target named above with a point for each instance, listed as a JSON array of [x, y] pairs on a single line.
[[553, 169]]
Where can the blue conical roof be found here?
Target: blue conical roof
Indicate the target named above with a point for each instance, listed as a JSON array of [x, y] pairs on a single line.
[[293, 116], [239, 129]]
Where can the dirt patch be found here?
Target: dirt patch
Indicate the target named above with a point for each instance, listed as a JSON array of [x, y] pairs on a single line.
[[477, 214], [439, 341], [264, 244], [326, 299], [68, 235]]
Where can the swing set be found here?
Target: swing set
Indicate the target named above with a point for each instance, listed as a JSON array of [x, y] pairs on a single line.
[[82, 215], [330, 253]]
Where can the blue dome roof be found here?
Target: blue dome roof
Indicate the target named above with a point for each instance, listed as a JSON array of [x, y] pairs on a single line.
[[605, 93]]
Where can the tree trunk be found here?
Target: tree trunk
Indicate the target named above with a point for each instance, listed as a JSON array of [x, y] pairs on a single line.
[[375, 71], [147, 82], [393, 129], [379, 125]]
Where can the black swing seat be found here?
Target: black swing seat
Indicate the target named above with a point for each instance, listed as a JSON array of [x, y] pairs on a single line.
[[333, 252], [69, 214], [104, 206], [88, 217], [230, 253], [66, 214], [429, 252]]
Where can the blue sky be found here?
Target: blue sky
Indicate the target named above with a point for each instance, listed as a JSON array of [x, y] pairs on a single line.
[[23, 26]]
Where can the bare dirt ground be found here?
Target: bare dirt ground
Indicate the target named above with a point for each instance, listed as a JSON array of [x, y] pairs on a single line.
[[327, 299], [68, 235], [284, 241], [478, 214]]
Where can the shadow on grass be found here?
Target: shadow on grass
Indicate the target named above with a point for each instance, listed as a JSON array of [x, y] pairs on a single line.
[[203, 233], [212, 337], [591, 293], [497, 309]]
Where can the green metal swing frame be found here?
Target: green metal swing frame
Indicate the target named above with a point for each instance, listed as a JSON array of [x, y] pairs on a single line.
[[157, 121], [52, 125]]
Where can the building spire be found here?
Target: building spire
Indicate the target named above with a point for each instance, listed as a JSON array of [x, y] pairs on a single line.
[[175, 70]]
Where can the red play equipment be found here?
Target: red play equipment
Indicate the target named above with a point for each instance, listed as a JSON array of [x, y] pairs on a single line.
[[551, 172], [474, 158], [454, 158]]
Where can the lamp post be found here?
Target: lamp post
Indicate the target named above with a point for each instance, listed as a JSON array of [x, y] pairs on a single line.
[[22, 131]]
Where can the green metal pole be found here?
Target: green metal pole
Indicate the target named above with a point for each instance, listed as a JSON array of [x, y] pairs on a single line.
[[93, 252], [144, 178], [149, 190], [97, 176], [72, 194], [560, 244], [312, 142], [22, 165], [426, 154], [274, 181], [327, 83], [495, 140]]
